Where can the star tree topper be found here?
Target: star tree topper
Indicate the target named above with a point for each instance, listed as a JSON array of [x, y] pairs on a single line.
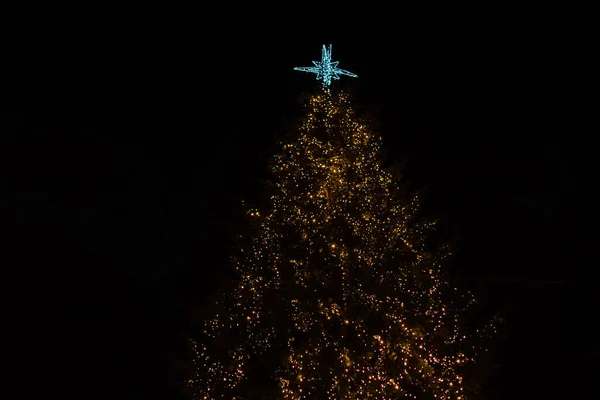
[[326, 69]]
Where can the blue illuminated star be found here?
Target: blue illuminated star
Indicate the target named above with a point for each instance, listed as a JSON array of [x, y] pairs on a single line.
[[326, 69]]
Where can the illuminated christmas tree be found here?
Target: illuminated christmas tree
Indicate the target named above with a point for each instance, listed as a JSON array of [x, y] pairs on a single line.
[[338, 296]]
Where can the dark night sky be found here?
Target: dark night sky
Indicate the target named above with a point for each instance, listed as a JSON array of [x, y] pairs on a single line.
[[118, 183]]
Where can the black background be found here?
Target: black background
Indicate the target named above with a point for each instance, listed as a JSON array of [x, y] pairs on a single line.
[[142, 131]]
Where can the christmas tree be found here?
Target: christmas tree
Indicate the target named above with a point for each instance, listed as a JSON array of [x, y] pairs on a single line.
[[337, 294]]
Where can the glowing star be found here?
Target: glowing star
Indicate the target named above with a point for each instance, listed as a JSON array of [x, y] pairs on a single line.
[[326, 69]]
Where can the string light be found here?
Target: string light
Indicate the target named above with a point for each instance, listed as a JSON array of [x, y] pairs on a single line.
[[362, 309], [326, 70]]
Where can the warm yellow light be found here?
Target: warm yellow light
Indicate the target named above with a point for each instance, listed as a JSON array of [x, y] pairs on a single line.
[[331, 192]]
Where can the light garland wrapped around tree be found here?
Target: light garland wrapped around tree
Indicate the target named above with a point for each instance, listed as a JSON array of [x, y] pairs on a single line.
[[338, 296]]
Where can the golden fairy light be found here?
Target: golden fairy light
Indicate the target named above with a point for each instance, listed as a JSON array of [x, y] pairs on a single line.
[[336, 276]]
